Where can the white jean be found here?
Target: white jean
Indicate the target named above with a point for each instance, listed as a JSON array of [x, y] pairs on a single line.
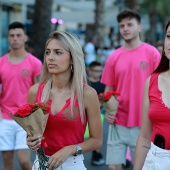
[[157, 159], [71, 163]]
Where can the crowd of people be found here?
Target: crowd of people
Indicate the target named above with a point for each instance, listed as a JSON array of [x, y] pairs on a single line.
[[69, 81]]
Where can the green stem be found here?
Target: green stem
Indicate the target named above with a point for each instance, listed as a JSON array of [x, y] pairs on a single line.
[[113, 127], [42, 159]]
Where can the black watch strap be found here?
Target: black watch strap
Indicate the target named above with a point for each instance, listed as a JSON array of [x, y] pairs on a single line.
[[78, 150]]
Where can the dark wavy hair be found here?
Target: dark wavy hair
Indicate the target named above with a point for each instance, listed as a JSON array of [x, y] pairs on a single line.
[[164, 63], [128, 13]]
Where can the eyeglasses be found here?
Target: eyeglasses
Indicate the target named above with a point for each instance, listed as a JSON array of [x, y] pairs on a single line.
[[96, 71]]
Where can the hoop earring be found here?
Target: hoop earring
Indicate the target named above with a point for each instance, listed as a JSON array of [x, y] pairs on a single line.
[[71, 67]]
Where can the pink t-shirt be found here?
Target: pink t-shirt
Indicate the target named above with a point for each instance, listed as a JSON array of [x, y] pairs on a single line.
[[16, 79], [127, 71], [159, 113]]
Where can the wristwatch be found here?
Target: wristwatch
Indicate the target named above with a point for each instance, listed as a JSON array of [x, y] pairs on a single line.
[[78, 150]]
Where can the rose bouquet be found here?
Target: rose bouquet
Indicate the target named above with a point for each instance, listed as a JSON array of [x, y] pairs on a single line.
[[110, 103], [32, 118]]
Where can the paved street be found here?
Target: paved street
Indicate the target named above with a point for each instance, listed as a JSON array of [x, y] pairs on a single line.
[[87, 155]]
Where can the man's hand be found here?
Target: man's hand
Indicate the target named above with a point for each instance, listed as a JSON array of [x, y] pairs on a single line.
[[110, 117]]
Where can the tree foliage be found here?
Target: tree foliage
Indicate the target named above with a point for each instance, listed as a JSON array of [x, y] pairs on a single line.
[[132, 4], [158, 11]]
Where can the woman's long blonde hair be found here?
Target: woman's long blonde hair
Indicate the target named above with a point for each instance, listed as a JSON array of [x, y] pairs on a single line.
[[71, 44]]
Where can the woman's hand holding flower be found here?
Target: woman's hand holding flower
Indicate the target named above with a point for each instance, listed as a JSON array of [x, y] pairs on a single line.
[[34, 142]]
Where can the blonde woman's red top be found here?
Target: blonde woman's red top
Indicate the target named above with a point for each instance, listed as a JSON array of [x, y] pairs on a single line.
[[64, 128]]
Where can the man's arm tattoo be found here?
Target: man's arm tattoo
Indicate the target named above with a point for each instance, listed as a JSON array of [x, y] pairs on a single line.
[[146, 147]]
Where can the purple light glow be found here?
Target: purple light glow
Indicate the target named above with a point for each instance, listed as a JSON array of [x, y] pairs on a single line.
[[60, 21], [53, 20]]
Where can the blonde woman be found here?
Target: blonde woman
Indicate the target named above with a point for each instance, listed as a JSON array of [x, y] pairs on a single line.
[[73, 104]]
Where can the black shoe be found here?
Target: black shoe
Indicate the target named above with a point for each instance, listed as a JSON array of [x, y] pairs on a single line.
[[128, 164], [97, 159]]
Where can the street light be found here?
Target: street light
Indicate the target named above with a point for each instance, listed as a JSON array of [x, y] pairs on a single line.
[[56, 22]]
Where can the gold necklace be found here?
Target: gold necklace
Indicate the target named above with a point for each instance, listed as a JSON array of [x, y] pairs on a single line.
[[57, 89], [60, 90]]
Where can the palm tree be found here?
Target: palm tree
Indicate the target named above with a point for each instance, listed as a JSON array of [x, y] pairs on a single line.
[[132, 4], [99, 22], [158, 11], [41, 26]]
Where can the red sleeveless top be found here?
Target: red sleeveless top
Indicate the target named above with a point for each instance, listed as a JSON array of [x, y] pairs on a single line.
[[159, 113], [64, 128]]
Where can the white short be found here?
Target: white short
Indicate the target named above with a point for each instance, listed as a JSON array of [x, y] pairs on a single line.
[[71, 163], [12, 136], [157, 159]]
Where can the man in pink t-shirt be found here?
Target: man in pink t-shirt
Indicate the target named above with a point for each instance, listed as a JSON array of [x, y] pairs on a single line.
[[126, 71], [18, 72]]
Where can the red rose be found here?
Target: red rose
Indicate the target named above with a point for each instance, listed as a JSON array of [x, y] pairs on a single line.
[[107, 96], [104, 97], [27, 109], [115, 121]]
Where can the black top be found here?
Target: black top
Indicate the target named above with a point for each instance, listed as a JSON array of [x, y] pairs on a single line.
[[99, 87]]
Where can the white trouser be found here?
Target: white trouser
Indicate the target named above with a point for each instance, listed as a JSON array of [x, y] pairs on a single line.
[[157, 159], [71, 163]]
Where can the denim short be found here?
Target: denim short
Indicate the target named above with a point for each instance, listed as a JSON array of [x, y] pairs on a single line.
[[157, 159], [71, 163], [119, 137]]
